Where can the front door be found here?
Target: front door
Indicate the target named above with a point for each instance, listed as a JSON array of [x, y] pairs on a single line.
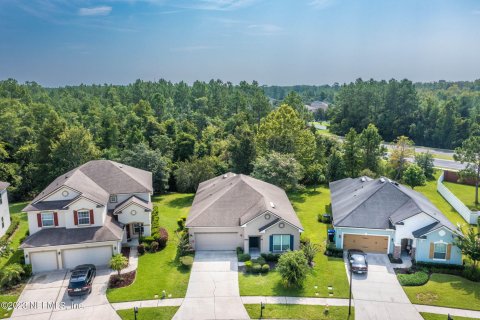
[[254, 242], [128, 232]]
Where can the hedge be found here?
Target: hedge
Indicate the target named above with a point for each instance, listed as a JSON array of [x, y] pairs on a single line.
[[418, 278], [431, 265], [155, 220], [11, 229]]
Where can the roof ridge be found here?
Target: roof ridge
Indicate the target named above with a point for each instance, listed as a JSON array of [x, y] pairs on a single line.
[[114, 163]]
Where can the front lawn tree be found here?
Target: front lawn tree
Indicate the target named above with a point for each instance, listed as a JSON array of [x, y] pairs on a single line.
[[470, 245], [414, 176], [118, 263], [469, 153], [293, 267]]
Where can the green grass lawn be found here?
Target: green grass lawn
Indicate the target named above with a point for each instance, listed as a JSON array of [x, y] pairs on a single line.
[[433, 316], [465, 193], [286, 311], [160, 271], [446, 291], [327, 271], [158, 313]]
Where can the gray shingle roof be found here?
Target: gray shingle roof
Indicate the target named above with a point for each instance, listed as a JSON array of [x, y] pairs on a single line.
[[4, 185], [268, 225], [97, 179], [420, 232], [232, 200], [378, 203], [135, 200], [110, 231]]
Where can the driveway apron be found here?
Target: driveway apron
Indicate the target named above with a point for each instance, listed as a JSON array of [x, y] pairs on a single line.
[[213, 291], [378, 295]]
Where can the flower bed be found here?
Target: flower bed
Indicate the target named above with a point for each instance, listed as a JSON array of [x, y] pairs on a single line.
[[123, 280]]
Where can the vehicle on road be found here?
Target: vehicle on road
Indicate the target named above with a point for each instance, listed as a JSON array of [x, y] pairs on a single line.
[[357, 260], [81, 280]]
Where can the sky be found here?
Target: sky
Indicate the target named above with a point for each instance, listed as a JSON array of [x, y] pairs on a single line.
[[275, 42]]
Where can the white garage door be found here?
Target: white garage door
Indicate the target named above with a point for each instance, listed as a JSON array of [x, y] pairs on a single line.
[[217, 241], [99, 256], [43, 261]]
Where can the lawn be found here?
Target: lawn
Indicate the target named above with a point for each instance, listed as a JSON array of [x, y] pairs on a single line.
[[158, 313], [327, 271], [160, 271], [296, 311], [446, 291], [433, 316], [465, 193]]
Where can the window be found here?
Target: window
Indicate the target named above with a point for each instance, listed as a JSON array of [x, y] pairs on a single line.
[[440, 251], [281, 242], [113, 198], [137, 228], [83, 217], [47, 219]]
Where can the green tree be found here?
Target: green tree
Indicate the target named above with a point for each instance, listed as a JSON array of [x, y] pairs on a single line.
[[11, 274], [185, 147], [352, 153], [242, 150], [470, 245], [191, 173], [425, 161], [279, 169], [402, 150], [335, 166], [118, 262], [295, 101], [414, 176], [370, 142], [314, 174], [292, 267], [310, 250], [469, 153]]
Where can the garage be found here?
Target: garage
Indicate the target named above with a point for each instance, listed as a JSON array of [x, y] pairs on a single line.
[[43, 261], [367, 243], [217, 241], [99, 256]]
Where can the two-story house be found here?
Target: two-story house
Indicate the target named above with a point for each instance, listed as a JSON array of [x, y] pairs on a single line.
[[85, 215], [4, 211]]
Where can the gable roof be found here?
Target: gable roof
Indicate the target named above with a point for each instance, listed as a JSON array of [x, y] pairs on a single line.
[[132, 200], [96, 180], [4, 185], [378, 204], [235, 199]]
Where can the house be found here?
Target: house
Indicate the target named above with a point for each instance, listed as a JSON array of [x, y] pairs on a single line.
[[85, 215], [235, 210], [4, 210], [383, 216]]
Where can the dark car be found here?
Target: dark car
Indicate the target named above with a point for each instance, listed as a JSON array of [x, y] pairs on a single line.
[[358, 261], [81, 280]]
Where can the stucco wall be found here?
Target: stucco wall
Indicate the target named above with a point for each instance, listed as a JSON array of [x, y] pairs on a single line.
[[411, 224], [339, 234], [125, 196], [423, 247], [4, 212]]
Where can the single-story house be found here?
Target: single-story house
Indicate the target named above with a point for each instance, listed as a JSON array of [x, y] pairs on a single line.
[[383, 216], [235, 210], [4, 209], [87, 214]]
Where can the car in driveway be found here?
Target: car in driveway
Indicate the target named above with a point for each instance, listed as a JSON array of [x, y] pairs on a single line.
[[357, 260], [81, 280]]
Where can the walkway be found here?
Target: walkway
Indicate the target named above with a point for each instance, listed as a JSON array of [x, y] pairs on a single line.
[[450, 311], [132, 260], [213, 291]]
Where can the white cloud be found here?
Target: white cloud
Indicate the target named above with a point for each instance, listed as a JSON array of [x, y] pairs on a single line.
[[95, 11], [265, 29], [215, 5], [321, 4]]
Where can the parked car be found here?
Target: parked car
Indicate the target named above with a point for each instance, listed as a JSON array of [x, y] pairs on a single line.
[[81, 280], [358, 261]]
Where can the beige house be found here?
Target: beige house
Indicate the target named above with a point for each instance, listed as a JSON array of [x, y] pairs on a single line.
[[4, 209], [233, 211], [85, 215]]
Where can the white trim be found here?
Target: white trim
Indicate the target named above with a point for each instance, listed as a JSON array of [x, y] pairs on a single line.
[[126, 205], [370, 235], [446, 249], [55, 190], [271, 213], [279, 221], [442, 226], [81, 196], [78, 217], [53, 218]]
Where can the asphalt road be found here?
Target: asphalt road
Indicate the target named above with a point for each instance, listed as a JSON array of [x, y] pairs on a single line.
[[445, 164]]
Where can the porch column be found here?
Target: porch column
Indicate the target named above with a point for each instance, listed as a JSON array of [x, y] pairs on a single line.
[[397, 251]]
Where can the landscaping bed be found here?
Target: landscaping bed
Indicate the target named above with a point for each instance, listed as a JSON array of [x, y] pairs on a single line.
[[123, 280], [433, 316], [292, 311]]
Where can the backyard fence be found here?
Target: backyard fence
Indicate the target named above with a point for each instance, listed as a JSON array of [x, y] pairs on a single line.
[[469, 216]]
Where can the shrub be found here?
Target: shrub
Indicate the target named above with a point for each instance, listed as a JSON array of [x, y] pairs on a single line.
[[27, 270], [154, 246], [147, 247], [118, 262], [181, 224], [11, 229], [155, 220], [11, 274], [242, 257], [187, 261], [183, 246], [147, 240], [141, 248], [265, 268], [418, 278], [240, 250], [472, 274], [270, 257], [248, 265], [431, 265], [162, 238], [260, 260], [332, 251], [257, 268], [310, 250], [394, 260], [304, 240], [293, 267], [319, 217]]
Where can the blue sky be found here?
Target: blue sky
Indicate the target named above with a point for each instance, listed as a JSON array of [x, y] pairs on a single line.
[[65, 42]]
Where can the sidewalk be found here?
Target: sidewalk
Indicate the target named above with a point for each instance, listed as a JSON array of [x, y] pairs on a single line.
[[451, 311], [295, 300], [132, 261]]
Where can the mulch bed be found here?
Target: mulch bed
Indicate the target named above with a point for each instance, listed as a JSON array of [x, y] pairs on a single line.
[[123, 280]]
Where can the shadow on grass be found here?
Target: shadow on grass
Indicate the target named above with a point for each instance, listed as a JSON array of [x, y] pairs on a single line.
[[182, 202], [301, 196]]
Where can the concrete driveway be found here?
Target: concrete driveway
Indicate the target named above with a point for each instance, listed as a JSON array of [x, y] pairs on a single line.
[[45, 297], [378, 295], [213, 291]]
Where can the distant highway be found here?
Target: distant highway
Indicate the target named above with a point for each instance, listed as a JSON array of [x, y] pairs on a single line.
[[445, 164]]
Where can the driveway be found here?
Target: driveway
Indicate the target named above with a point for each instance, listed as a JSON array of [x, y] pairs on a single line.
[[213, 291], [45, 297], [378, 295]]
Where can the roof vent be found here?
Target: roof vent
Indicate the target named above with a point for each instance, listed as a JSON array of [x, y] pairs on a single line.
[[363, 179], [120, 166], [225, 176], [272, 204], [382, 180]]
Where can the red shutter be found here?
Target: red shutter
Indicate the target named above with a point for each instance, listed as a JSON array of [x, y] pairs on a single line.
[[75, 217], [92, 218], [39, 220], [55, 219]]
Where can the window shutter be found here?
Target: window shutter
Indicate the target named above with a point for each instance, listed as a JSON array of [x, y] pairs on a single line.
[[39, 220], [55, 219], [291, 242], [75, 217], [449, 252], [271, 243], [431, 250], [92, 218]]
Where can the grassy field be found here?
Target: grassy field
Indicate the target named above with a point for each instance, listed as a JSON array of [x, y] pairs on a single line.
[[285, 311], [446, 291], [465, 193], [160, 271], [327, 271], [158, 313], [433, 316]]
